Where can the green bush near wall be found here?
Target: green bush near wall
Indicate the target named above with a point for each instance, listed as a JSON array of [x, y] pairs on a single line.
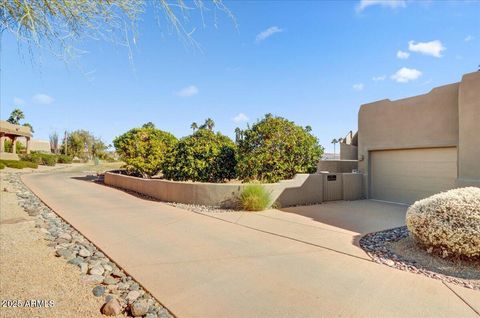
[[204, 156], [18, 164], [2, 166], [143, 149], [275, 149]]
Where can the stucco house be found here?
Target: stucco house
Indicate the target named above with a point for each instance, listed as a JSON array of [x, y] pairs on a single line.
[[411, 148]]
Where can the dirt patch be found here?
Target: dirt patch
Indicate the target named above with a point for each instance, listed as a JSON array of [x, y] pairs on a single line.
[[30, 271]]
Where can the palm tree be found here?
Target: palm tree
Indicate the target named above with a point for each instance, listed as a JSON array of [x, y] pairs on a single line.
[[334, 142], [238, 135], [194, 126], [15, 116], [209, 123]]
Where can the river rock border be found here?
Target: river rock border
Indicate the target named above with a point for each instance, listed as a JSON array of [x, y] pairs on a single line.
[[122, 294], [375, 245]]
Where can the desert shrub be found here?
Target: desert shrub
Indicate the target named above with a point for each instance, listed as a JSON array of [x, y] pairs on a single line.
[[448, 222], [274, 149], [64, 159], [18, 164], [143, 149], [2, 166], [254, 197], [39, 158], [204, 156]]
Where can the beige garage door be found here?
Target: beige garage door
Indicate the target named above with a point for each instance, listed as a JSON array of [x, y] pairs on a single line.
[[405, 176]]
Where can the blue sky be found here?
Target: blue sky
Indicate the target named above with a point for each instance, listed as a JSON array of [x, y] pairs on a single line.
[[312, 62]]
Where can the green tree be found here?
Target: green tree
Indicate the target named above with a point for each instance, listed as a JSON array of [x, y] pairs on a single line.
[[204, 156], [15, 116], [194, 126], [274, 149], [143, 149], [29, 126], [148, 125], [83, 144]]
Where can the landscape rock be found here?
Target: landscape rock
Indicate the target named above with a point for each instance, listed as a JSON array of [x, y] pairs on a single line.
[[132, 296], [139, 308], [109, 280], [111, 308], [96, 270], [93, 279], [98, 291]]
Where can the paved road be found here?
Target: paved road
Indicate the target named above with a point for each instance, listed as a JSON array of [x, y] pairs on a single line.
[[242, 265]]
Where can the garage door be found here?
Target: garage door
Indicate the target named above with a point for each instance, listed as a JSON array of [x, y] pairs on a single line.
[[405, 176]]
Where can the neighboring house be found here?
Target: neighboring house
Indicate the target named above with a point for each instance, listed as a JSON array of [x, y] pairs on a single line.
[[411, 148]]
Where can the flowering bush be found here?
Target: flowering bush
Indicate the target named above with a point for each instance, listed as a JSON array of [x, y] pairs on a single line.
[[448, 222]]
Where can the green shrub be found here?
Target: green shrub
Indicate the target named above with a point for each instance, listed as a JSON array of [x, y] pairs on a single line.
[[275, 149], [64, 159], [20, 148], [204, 156], [448, 222], [2, 166], [18, 164], [143, 149], [40, 158], [254, 197]]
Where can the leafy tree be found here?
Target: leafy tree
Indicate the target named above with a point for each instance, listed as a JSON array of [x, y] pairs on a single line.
[[83, 144], [208, 124], [148, 125], [274, 149], [29, 126], [143, 149], [204, 156], [194, 126], [15, 116]]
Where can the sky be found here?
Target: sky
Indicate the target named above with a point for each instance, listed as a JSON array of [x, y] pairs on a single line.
[[313, 62]]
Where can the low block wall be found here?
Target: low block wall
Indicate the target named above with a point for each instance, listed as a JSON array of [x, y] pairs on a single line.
[[302, 189], [337, 166]]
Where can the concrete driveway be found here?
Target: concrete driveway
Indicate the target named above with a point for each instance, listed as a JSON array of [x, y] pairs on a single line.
[[300, 262]]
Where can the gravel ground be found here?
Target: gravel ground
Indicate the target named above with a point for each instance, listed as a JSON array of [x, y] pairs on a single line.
[[396, 249], [45, 258], [29, 269]]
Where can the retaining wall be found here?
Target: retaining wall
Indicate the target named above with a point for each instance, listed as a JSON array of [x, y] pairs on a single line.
[[303, 189]]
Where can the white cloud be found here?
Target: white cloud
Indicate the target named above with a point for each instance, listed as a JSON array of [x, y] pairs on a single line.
[[405, 75], [468, 38], [393, 4], [267, 33], [379, 78], [402, 55], [433, 48], [358, 87], [241, 117], [17, 101], [43, 99], [188, 91]]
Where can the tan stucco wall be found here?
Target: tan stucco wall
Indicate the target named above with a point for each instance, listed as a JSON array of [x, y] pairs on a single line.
[[446, 116], [469, 130], [348, 152], [303, 189], [337, 166], [429, 120]]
